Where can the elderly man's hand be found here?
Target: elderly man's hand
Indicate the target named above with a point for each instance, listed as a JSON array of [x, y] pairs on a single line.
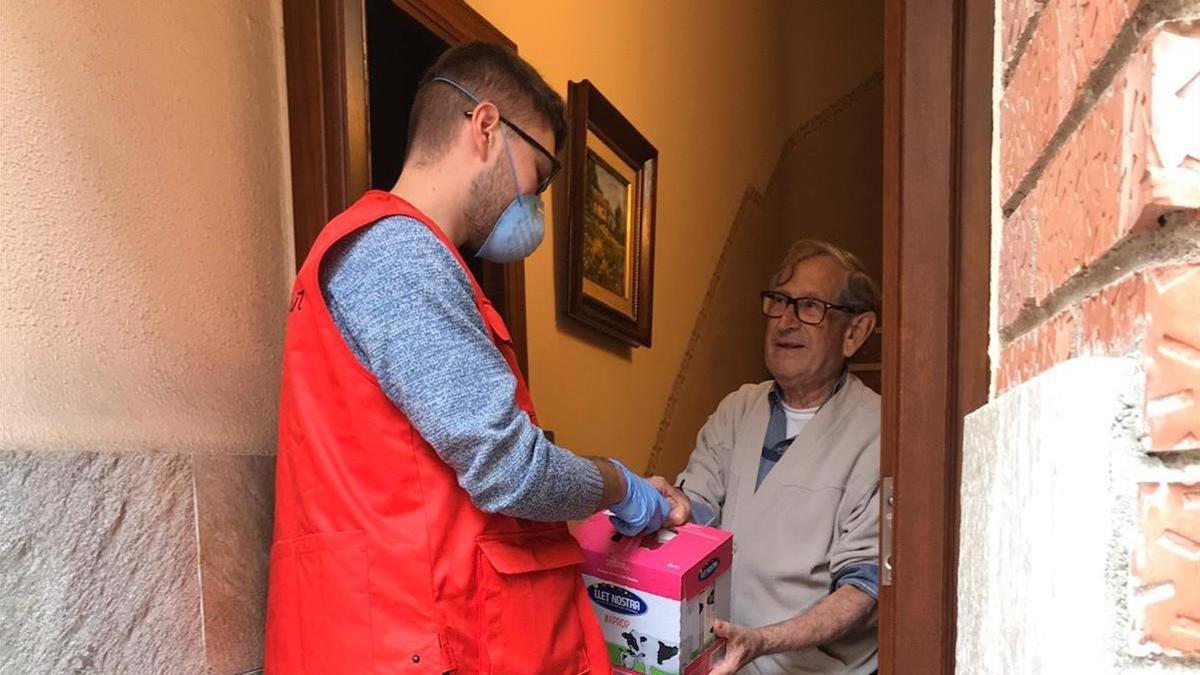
[[742, 645], [681, 506]]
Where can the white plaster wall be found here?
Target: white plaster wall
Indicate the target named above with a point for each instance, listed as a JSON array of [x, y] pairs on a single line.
[[1050, 476], [144, 224]]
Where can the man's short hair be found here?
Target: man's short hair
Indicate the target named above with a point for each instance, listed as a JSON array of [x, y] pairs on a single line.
[[860, 293], [492, 73]]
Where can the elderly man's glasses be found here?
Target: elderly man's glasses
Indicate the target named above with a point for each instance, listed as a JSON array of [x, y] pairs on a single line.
[[807, 310], [544, 181]]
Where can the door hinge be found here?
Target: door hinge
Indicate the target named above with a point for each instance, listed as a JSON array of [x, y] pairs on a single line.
[[888, 497]]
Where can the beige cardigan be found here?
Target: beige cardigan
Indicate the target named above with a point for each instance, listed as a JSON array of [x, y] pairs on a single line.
[[816, 512]]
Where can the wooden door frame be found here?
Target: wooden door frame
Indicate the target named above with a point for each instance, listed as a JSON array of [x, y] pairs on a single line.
[[328, 122], [936, 273]]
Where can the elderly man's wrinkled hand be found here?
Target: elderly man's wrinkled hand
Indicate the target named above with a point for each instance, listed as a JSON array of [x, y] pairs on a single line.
[[742, 645]]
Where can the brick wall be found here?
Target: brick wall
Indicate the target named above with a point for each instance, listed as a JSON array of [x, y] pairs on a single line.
[[1099, 178]]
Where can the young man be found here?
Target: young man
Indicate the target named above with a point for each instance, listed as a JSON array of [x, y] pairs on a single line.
[[419, 508]]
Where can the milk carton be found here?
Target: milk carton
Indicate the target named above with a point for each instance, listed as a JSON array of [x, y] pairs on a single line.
[[656, 596]]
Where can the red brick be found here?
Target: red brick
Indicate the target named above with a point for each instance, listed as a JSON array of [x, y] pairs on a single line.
[[1014, 17], [1070, 39], [1173, 359], [1036, 351], [1166, 567], [1113, 322], [1018, 264], [1128, 163], [1076, 205]]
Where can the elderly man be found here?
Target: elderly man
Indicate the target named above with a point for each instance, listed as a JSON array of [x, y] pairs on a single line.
[[791, 466]]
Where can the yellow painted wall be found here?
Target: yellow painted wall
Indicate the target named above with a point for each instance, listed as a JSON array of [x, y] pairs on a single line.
[[832, 45], [701, 81], [144, 226], [834, 186]]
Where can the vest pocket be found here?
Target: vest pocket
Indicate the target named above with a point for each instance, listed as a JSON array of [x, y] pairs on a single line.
[[334, 607], [529, 603]]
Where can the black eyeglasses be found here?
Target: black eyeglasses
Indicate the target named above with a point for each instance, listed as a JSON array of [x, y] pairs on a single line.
[[808, 310], [555, 167]]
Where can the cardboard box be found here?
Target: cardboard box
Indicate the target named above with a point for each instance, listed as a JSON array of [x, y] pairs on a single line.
[[656, 596]]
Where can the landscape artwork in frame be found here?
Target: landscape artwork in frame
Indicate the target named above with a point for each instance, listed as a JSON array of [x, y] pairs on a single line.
[[611, 176], [607, 251]]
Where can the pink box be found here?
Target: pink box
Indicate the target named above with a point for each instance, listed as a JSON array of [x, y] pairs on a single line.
[[656, 596], [698, 666]]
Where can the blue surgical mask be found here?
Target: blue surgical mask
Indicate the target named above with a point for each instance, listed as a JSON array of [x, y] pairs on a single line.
[[519, 230]]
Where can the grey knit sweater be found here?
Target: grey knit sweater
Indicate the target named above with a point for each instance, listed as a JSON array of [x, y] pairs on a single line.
[[404, 306]]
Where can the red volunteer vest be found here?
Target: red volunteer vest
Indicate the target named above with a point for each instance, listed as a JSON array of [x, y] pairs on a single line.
[[381, 563]]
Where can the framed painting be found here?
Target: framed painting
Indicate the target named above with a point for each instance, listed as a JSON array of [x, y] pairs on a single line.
[[612, 171]]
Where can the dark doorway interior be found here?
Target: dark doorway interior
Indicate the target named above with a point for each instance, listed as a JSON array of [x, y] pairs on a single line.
[[399, 51]]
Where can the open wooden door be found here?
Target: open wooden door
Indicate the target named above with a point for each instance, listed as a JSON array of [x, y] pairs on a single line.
[[936, 268], [329, 112]]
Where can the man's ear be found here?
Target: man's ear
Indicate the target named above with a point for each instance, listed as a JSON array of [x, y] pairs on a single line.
[[857, 333], [485, 123]]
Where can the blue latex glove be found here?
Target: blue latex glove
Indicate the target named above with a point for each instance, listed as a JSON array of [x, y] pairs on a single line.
[[643, 508]]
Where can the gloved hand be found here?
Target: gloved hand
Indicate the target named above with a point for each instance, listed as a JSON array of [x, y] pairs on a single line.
[[643, 509]]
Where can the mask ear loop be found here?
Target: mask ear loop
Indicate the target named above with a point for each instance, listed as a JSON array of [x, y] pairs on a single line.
[[457, 86], [512, 166]]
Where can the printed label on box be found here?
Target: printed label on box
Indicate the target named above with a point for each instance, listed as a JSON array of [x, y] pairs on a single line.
[[656, 597]]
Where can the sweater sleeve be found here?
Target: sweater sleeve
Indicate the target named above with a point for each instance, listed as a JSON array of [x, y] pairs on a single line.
[[406, 309]]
